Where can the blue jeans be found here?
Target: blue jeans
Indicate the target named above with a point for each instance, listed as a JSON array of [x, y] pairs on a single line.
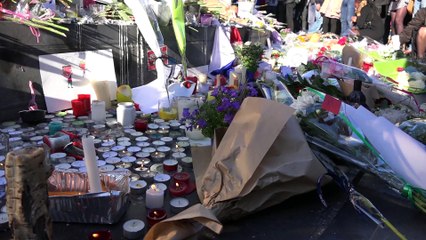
[[347, 11], [317, 24], [417, 5]]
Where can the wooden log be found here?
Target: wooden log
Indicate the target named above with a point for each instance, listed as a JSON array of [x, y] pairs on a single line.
[[27, 199]]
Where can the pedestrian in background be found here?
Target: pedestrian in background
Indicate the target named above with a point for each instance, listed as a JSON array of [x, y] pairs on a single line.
[[330, 10]]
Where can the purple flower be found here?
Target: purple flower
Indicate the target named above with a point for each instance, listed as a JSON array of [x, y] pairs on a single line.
[[233, 94], [224, 105], [236, 105], [252, 92], [215, 92], [202, 123], [195, 113], [228, 118], [186, 113]]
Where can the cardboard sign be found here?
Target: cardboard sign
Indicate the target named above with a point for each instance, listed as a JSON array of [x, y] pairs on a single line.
[[152, 58], [331, 104]]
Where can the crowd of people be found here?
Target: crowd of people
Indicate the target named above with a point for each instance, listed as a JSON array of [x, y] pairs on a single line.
[[376, 19]]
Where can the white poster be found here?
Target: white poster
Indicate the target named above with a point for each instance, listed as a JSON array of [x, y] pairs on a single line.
[[65, 75]]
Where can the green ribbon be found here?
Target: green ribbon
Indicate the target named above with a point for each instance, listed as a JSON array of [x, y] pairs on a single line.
[[178, 21], [407, 191]]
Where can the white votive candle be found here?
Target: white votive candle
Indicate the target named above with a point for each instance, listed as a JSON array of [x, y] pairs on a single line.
[[177, 205], [133, 229], [154, 197], [92, 168]]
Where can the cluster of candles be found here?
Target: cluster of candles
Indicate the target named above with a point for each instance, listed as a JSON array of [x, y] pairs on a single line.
[[154, 153]]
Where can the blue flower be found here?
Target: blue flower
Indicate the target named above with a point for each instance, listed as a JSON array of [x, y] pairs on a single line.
[[215, 92]]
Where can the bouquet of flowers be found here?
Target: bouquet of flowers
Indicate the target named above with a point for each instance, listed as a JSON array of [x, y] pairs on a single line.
[[219, 110]]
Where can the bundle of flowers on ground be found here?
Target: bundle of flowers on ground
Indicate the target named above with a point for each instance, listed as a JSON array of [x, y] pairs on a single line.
[[219, 109]]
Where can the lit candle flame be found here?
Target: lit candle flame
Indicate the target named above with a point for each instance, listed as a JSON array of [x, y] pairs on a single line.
[[95, 235], [177, 185], [154, 187]]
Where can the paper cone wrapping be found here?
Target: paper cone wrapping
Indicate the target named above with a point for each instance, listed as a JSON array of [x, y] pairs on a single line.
[[404, 155], [262, 160]]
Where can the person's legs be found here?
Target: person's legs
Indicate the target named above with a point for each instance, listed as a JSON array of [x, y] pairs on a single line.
[[326, 25], [399, 19], [333, 25], [305, 16], [392, 22], [289, 13], [344, 16], [421, 42]]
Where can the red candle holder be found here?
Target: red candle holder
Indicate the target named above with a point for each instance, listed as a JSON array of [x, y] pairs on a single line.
[[170, 165], [155, 216], [141, 125], [85, 98], [178, 189], [101, 235], [77, 107], [182, 177]]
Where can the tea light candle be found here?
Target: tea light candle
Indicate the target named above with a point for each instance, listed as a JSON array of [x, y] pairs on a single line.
[[158, 156], [178, 155], [134, 177], [148, 176], [155, 136], [101, 150], [182, 177], [143, 161], [135, 135], [133, 149], [158, 143], [128, 159], [178, 149], [109, 154], [35, 139], [153, 126], [170, 165], [143, 144], [182, 129], [142, 154], [128, 131], [164, 149], [158, 121], [186, 161], [175, 134], [100, 163], [154, 197], [100, 235], [118, 148], [163, 132], [63, 166], [124, 165], [133, 229], [89, 123], [137, 187], [106, 168], [141, 168], [174, 125], [78, 164], [183, 139], [148, 149], [97, 142], [124, 143], [99, 127], [178, 189], [57, 157], [167, 140], [162, 178], [123, 139], [108, 144], [155, 216], [125, 153], [141, 139], [179, 204], [183, 144]]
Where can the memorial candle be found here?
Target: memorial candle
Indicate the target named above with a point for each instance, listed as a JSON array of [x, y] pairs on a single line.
[[154, 197], [155, 216], [133, 229], [178, 189], [91, 165]]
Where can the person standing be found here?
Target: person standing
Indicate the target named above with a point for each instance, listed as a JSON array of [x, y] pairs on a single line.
[[289, 13], [314, 16], [398, 11], [330, 10], [368, 23], [383, 6], [347, 12], [415, 32]]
